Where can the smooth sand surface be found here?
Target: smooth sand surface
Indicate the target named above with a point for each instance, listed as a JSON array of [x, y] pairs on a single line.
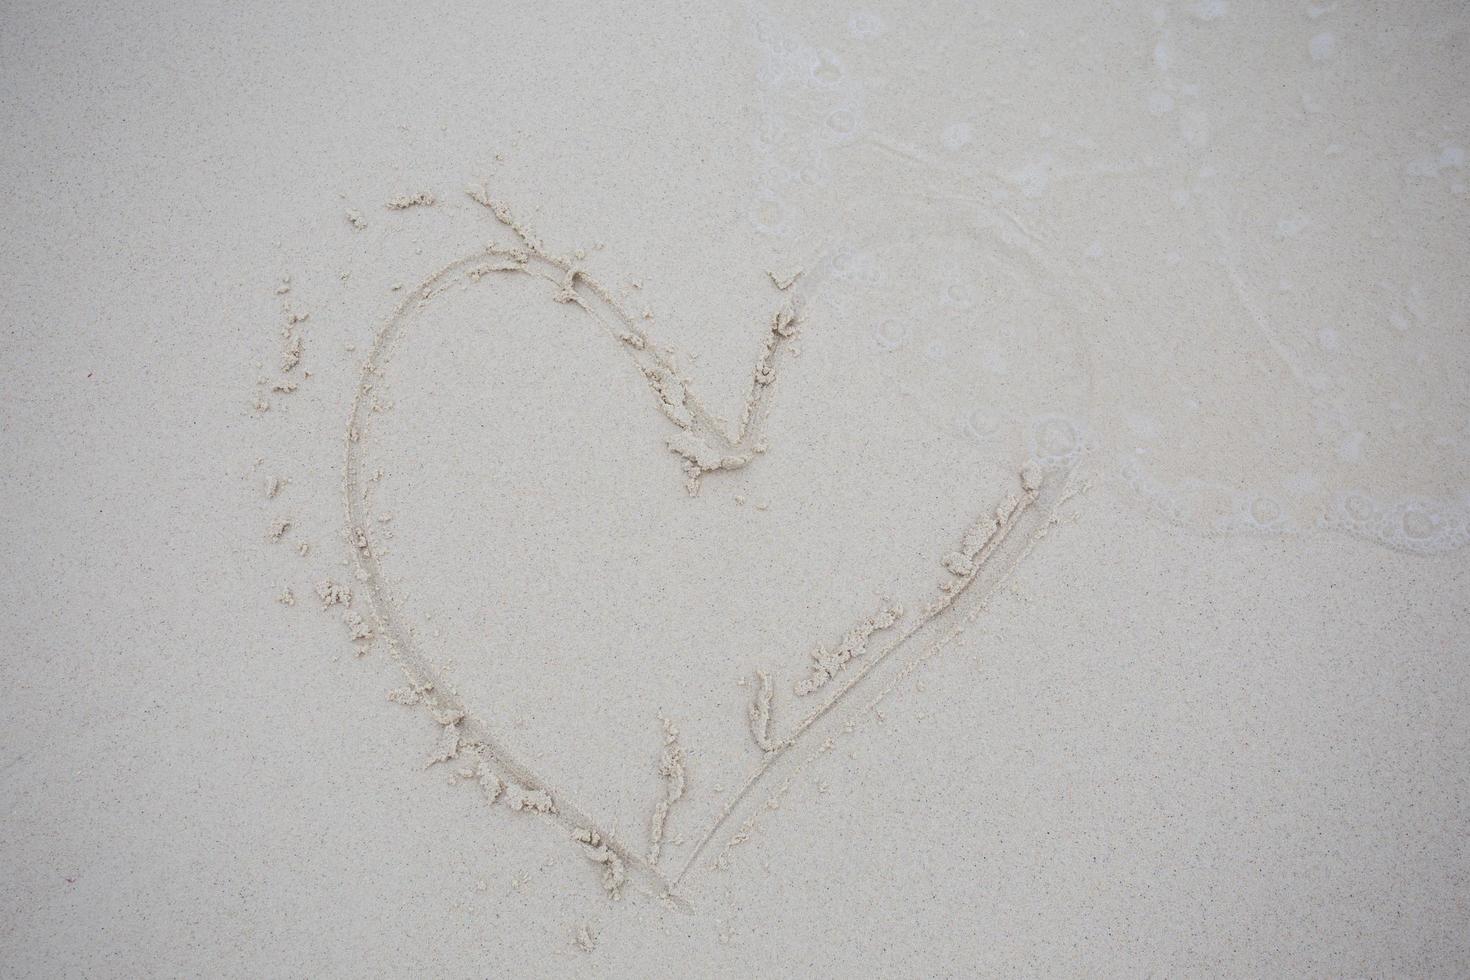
[[662, 491]]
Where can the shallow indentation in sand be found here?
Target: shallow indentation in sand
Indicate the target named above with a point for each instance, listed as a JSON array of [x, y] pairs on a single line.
[[703, 444]]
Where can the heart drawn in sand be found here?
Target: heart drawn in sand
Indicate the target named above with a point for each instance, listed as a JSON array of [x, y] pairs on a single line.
[[826, 671]]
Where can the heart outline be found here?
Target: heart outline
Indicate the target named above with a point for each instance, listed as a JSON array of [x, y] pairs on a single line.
[[705, 447]]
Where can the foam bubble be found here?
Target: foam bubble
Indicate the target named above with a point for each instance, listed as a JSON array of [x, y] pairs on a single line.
[[865, 26], [813, 176], [892, 334], [841, 124], [826, 70], [1417, 524], [959, 294], [853, 266], [982, 424], [1413, 524], [1359, 508], [1160, 103], [1265, 511], [1056, 439], [1260, 513]]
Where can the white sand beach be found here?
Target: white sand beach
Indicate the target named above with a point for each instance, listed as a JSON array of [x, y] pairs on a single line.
[[662, 490]]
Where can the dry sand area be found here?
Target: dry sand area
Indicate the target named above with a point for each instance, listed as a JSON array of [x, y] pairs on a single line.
[[666, 490]]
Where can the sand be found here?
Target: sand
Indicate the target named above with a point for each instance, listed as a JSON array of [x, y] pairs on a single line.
[[657, 492]]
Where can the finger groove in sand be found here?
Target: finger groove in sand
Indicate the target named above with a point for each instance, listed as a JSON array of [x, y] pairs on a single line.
[[705, 446]]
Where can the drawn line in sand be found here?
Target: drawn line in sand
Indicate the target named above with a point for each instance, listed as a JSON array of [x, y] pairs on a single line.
[[671, 768], [704, 445], [984, 549]]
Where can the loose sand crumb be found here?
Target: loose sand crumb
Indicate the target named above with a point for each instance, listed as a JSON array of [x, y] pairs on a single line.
[[409, 696], [291, 352], [357, 628], [447, 748], [423, 199], [614, 874], [826, 664], [492, 785], [333, 594], [519, 798]]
